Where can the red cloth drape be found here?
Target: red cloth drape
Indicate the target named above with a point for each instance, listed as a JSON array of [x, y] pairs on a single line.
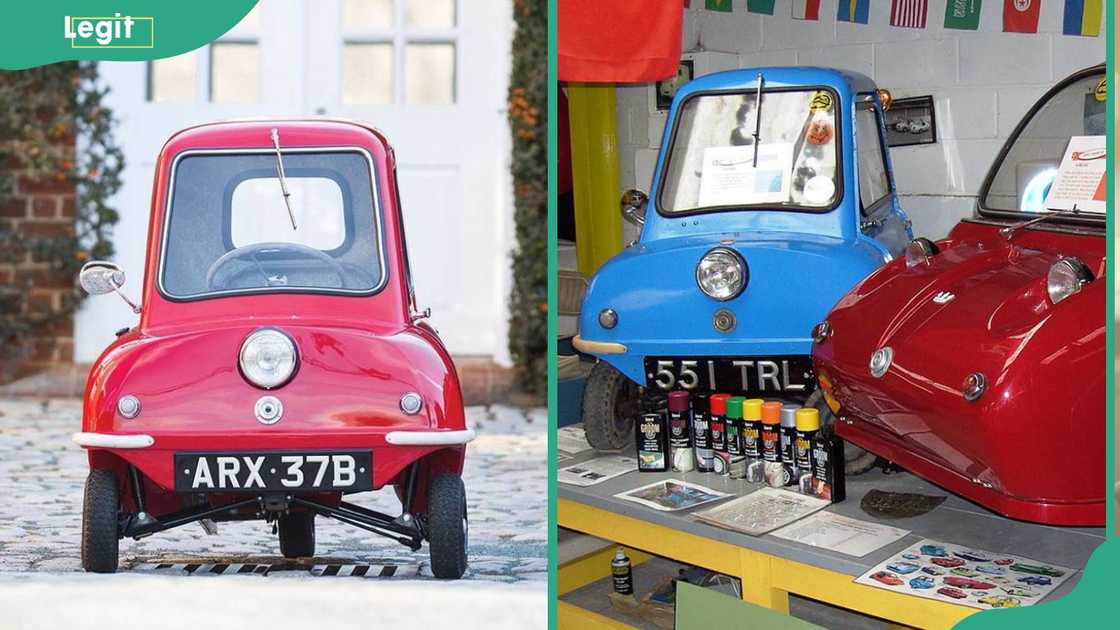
[[618, 41]]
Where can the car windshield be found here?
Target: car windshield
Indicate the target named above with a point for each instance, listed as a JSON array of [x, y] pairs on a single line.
[[1023, 178], [712, 162], [228, 229]]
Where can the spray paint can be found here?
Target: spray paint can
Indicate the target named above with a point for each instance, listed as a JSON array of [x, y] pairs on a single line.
[[736, 461], [828, 466], [717, 423], [653, 442], [789, 435], [622, 574], [772, 444], [680, 433], [701, 432], [752, 440], [808, 421]]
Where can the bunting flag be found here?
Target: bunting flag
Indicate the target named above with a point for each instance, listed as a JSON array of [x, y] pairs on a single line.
[[765, 7], [718, 5], [909, 13], [1083, 17], [962, 14], [852, 11], [1020, 16], [806, 9]]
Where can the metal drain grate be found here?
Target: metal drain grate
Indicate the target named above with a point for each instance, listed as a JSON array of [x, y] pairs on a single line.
[[318, 570]]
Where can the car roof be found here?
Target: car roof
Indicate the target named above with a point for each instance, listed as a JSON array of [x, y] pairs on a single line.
[[747, 78], [254, 132]]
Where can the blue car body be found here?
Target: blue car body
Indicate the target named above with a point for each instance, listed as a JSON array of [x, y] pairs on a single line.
[[799, 263], [921, 582]]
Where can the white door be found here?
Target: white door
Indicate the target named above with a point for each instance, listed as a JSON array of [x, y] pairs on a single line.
[[431, 74]]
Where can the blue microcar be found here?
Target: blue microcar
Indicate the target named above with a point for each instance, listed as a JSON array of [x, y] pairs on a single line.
[[771, 197]]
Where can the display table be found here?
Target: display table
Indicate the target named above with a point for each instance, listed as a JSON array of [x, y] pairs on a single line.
[[771, 568]]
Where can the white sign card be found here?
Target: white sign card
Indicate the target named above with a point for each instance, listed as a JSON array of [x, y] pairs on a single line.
[[966, 576], [1080, 180], [841, 534], [728, 176], [598, 470], [571, 440], [670, 495]]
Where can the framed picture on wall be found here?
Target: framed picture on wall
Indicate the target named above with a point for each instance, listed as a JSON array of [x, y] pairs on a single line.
[[667, 88], [911, 121]]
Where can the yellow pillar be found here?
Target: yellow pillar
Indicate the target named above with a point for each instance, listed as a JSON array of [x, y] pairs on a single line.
[[592, 118]]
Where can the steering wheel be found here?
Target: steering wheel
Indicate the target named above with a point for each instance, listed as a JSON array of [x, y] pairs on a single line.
[[252, 254]]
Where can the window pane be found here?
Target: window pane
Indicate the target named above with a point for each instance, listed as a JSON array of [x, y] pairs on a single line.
[[430, 14], [367, 74], [174, 79], [367, 15], [430, 73], [257, 212], [234, 72], [872, 169]]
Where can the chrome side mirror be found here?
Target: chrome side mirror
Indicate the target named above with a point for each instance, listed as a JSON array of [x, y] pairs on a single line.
[[634, 206], [99, 277]]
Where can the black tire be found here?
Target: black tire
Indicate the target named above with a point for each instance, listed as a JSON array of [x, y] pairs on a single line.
[[447, 527], [297, 535], [100, 523], [856, 460], [611, 406]]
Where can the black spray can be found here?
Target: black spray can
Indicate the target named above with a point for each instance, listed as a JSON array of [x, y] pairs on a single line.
[[622, 575], [717, 423], [808, 424], [653, 442], [701, 432], [681, 456], [789, 435], [828, 466]]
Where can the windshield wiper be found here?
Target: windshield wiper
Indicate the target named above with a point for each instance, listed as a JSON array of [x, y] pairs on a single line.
[[757, 119], [1010, 230], [280, 173]]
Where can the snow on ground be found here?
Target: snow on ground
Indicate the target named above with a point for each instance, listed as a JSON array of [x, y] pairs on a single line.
[[41, 583]]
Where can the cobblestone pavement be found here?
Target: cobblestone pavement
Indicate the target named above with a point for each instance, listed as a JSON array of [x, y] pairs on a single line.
[[42, 475]]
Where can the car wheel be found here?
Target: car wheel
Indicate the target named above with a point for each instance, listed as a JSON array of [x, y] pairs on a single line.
[[100, 523], [611, 406], [297, 535], [856, 460], [447, 527]]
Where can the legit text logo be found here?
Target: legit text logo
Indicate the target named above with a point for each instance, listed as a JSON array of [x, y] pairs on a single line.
[[111, 32]]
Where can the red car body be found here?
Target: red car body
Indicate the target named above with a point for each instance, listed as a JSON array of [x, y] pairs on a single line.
[[1032, 445], [963, 582], [357, 355]]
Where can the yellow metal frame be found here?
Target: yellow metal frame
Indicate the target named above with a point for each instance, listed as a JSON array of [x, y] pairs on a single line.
[[767, 580], [592, 117]]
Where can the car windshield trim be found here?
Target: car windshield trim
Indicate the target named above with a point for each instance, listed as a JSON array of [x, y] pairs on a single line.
[[982, 211], [378, 228], [838, 133]]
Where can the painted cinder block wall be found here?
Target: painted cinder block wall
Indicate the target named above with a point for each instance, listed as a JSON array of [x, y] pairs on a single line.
[[982, 83]]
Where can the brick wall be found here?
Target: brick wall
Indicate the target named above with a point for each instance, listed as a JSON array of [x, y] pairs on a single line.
[[28, 286], [982, 83]]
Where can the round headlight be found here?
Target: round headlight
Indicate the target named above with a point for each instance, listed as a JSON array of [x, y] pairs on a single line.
[[1066, 277], [722, 274], [919, 251], [268, 358]]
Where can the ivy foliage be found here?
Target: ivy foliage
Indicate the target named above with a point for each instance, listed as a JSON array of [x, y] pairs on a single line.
[[55, 131], [528, 335]]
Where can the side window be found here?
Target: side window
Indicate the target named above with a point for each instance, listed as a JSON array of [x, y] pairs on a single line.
[[872, 163]]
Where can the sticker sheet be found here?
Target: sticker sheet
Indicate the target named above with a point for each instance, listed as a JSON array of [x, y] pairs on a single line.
[[966, 576], [596, 470], [670, 495]]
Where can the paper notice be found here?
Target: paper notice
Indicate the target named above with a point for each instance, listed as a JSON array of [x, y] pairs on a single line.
[[841, 534], [730, 178], [671, 495], [570, 440], [596, 470], [1080, 180]]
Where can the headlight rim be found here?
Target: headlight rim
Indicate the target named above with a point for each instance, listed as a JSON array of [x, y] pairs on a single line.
[[244, 346], [744, 272], [1077, 268]]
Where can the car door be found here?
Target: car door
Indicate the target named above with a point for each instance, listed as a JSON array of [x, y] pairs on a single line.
[[881, 217]]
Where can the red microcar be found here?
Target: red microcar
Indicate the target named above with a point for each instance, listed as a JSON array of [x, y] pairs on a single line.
[[280, 362]]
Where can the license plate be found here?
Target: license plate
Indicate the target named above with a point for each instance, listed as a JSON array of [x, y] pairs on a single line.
[[274, 470], [791, 374]]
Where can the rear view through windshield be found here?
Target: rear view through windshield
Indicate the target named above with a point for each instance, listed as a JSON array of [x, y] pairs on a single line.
[[712, 162], [230, 231]]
